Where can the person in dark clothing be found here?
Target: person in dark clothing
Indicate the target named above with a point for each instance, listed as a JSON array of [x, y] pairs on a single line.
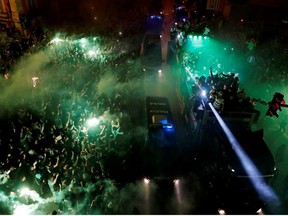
[[54, 212]]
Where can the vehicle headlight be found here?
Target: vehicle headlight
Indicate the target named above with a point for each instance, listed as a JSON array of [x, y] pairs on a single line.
[[176, 181], [221, 211], [146, 180], [260, 211]]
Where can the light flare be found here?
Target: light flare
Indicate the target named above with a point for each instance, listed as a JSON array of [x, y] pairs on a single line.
[[26, 192], [56, 40], [146, 181], [22, 210], [93, 122], [34, 81]]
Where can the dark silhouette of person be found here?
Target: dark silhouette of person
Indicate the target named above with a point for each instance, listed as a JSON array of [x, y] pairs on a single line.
[[54, 212]]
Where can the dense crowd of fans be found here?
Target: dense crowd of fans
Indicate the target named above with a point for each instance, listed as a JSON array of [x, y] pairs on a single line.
[[223, 92], [262, 64], [220, 89], [57, 139]]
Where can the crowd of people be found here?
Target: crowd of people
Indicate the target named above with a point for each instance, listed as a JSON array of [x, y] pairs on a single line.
[[224, 93], [262, 64], [221, 89], [58, 132]]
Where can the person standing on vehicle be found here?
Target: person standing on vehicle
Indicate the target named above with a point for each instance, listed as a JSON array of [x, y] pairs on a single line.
[[218, 103]]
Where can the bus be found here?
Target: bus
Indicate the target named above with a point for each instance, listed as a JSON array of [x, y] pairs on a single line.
[[161, 150]]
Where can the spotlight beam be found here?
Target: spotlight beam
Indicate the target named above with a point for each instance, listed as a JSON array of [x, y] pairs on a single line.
[[264, 191]]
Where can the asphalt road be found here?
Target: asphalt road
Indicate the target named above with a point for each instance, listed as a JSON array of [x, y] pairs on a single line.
[[189, 196]]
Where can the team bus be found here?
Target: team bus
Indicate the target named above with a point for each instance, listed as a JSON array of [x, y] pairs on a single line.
[[161, 150]]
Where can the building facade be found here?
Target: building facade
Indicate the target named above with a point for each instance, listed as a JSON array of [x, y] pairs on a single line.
[[249, 8], [15, 14]]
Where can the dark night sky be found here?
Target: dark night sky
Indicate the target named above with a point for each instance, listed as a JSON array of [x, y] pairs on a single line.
[[97, 12]]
